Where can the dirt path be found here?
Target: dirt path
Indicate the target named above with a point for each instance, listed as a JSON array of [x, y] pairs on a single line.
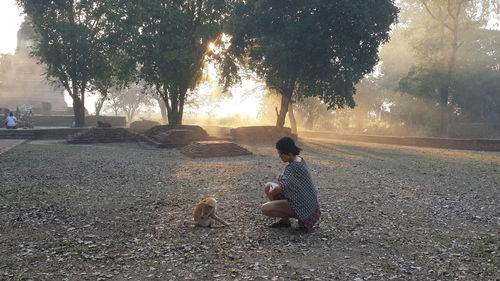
[[7, 144], [116, 211]]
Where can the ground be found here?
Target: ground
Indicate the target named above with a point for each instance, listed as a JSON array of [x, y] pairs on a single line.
[[116, 212]]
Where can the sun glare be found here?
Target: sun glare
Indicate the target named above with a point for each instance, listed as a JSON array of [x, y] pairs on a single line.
[[211, 46]]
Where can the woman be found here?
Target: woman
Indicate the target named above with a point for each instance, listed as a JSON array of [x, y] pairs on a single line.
[[295, 195], [11, 121]]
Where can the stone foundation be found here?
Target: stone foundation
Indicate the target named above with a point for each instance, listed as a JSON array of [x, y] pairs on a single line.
[[205, 149], [167, 136], [102, 135]]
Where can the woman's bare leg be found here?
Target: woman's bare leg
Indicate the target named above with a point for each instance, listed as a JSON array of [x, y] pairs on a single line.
[[279, 209]]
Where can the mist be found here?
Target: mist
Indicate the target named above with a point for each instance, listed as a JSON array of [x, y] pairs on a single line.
[[427, 82]]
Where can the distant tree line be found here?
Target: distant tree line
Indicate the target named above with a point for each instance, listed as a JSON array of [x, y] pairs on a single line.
[[308, 48], [440, 68]]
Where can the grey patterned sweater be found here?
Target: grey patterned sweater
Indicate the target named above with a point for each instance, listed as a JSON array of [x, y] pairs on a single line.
[[299, 189]]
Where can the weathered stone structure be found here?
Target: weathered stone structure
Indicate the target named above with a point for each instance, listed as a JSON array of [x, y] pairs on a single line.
[[24, 82], [168, 136], [102, 135], [205, 149]]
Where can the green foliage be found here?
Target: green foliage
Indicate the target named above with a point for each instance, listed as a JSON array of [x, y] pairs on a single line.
[[75, 40], [171, 46], [423, 82], [315, 48], [473, 83], [445, 69]]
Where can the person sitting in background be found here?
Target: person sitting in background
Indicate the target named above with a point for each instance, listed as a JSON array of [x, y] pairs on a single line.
[[295, 195], [103, 124], [11, 121]]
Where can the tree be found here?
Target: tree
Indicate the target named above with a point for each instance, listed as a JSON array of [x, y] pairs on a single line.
[[317, 48], [438, 38], [475, 84], [129, 100], [99, 103], [171, 46], [75, 39], [163, 108], [311, 109]]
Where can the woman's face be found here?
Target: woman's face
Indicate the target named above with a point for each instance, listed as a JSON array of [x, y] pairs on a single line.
[[286, 157]]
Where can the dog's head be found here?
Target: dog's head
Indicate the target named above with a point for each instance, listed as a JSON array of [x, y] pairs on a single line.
[[208, 206]]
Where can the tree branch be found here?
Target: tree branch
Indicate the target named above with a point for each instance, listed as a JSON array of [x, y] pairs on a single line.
[[443, 22]]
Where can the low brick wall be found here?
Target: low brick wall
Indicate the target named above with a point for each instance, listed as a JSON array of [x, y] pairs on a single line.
[[16, 134], [102, 135], [47, 134], [466, 144], [67, 121], [260, 134], [205, 149]]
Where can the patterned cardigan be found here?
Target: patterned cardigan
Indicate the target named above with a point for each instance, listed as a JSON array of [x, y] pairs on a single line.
[[300, 192]]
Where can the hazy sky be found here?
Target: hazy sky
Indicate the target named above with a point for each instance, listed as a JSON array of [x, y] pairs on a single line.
[[10, 20]]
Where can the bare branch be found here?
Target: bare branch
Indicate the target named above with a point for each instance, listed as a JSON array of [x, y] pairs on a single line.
[[442, 21]]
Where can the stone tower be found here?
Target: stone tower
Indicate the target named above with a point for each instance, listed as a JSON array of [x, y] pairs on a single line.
[[24, 82]]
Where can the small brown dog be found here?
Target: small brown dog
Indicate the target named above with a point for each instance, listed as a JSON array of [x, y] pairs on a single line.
[[205, 213]]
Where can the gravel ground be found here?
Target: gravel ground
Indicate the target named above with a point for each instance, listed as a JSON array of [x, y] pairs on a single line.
[[116, 212]]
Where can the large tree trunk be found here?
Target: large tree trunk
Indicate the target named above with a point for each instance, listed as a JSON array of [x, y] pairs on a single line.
[[286, 92], [78, 106], [79, 111], [163, 110], [291, 116], [175, 106], [280, 122]]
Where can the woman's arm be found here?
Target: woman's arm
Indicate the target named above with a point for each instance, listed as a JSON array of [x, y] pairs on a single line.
[[274, 193]]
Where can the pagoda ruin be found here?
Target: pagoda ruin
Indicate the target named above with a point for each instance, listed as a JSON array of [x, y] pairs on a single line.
[[23, 83]]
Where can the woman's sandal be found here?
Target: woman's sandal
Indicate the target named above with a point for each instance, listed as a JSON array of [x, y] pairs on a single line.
[[303, 229], [280, 224]]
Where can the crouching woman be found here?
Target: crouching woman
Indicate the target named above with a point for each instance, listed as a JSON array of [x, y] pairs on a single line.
[[294, 196]]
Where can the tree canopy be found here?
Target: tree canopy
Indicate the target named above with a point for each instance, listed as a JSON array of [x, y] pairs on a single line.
[[75, 40], [437, 37], [318, 48], [171, 46]]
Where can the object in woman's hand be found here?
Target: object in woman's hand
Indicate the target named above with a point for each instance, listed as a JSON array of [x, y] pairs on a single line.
[[272, 186]]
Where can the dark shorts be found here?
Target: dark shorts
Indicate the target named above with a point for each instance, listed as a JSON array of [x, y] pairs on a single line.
[[312, 219]]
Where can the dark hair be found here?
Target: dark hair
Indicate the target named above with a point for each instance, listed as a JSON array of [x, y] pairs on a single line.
[[287, 145], [11, 114]]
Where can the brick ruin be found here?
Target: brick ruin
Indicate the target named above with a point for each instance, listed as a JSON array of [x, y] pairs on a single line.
[[102, 135], [166, 136], [205, 149]]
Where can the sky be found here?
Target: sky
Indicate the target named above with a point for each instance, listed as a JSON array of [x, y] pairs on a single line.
[[10, 20]]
